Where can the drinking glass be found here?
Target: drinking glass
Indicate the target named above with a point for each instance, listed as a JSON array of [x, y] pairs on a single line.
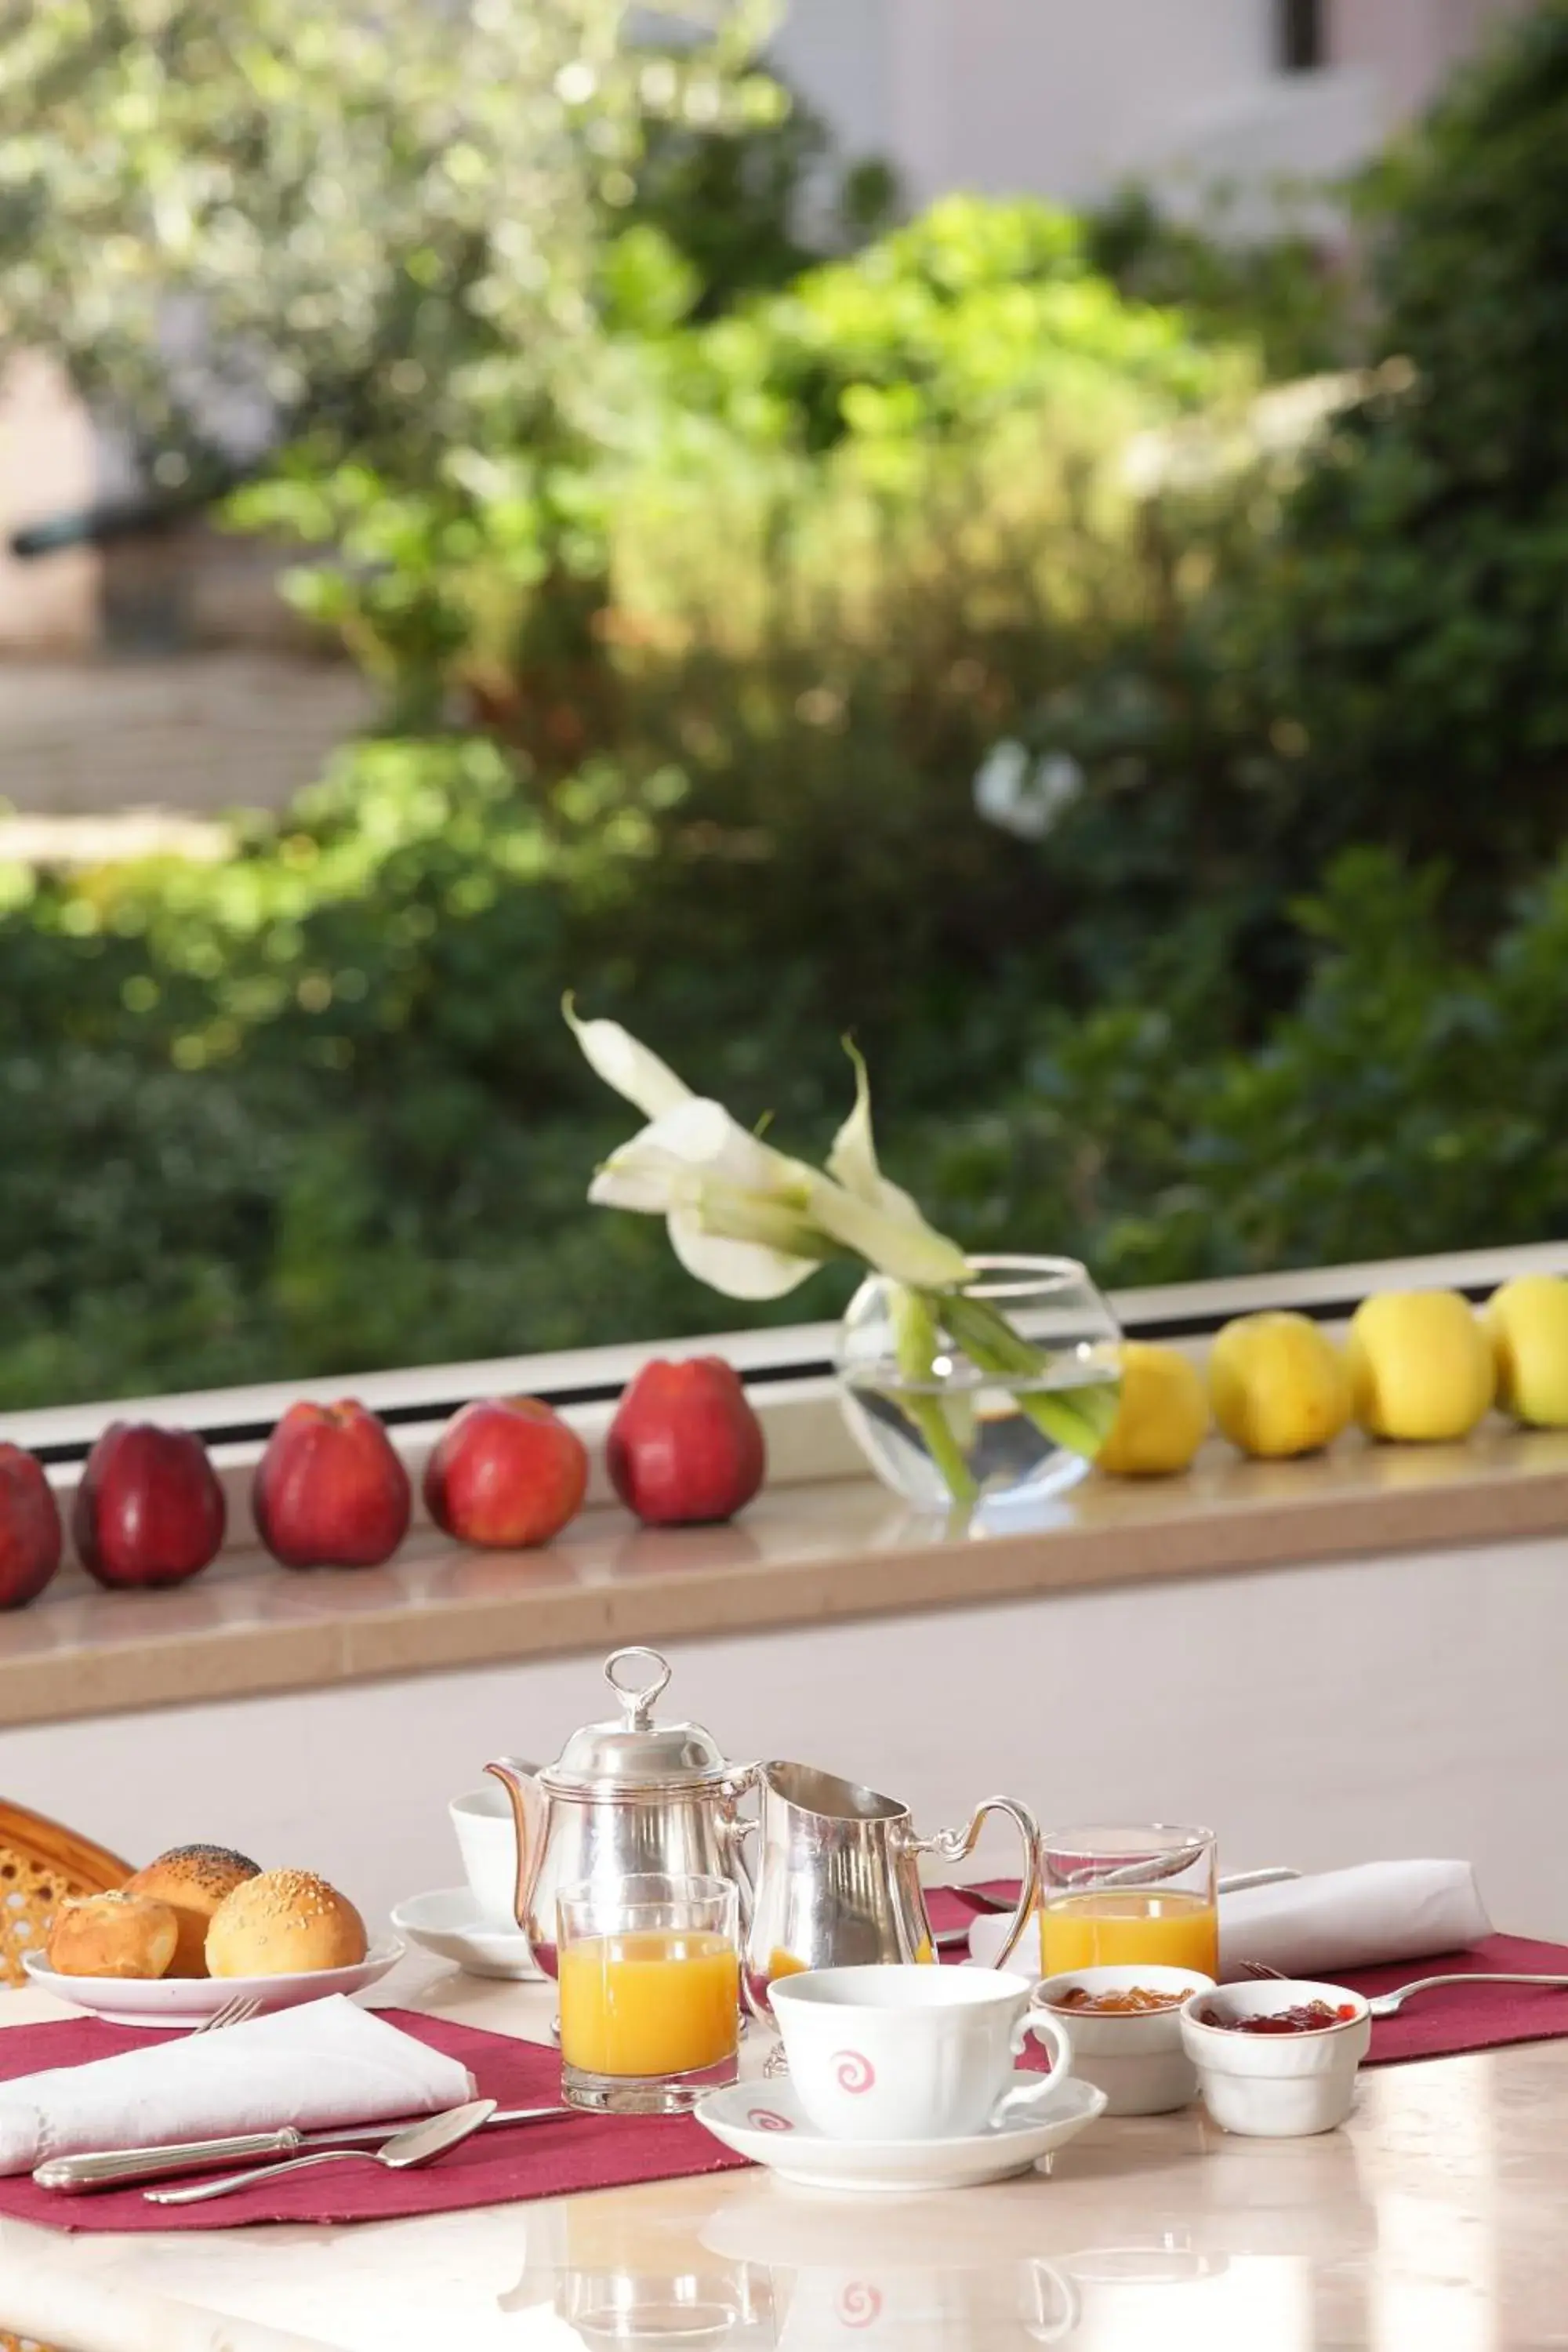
[[649, 1983], [1129, 1897]]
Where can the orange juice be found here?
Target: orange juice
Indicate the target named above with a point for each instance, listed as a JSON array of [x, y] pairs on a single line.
[[1124, 1929], [659, 2002]]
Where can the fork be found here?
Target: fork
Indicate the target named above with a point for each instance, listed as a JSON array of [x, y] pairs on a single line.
[[1389, 2004], [237, 2012]]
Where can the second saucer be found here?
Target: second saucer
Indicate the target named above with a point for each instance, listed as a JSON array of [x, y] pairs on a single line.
[[449, 1924]]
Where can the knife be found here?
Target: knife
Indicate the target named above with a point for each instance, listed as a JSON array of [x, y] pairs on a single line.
[[110, 2167]]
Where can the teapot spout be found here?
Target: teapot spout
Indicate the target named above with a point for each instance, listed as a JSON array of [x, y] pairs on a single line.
[[521, 1785]]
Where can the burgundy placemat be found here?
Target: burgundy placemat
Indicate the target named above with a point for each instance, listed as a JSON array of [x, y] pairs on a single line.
[[546, 2159], [1434, 2024]]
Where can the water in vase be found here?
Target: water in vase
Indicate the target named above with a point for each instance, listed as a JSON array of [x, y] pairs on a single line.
[[1004, 1450]]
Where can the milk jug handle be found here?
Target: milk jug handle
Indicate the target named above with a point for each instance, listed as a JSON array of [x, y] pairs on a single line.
[[957, 1845]]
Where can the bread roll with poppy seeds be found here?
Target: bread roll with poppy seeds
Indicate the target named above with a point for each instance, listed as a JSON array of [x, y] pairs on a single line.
[[192, 1880]]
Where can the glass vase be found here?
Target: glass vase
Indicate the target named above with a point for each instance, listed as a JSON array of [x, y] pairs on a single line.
[[998, 1391]]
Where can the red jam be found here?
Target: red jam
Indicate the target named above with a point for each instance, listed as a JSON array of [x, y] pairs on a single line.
[[1307, 2017], [1137, 2000]]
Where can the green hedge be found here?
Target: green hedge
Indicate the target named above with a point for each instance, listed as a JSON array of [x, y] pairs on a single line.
[[690, 719]]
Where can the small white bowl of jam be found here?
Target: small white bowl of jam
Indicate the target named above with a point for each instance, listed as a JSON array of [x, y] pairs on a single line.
[[1277, 2060], [1126, 2028]]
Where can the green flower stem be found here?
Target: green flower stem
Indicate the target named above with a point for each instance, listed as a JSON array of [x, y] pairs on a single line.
[[1081, 1422], [917, 1343]]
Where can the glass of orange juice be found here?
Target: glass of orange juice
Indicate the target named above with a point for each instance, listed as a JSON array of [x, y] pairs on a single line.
[[649, 1982], [1121, 1898]]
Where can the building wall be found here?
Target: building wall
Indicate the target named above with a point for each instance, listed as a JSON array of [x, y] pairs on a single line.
[[47, 466], [1318, 1716], [1410, 45], [1066, 102]]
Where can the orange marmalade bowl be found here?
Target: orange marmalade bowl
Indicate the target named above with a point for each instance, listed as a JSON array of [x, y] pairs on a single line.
[[1134, 2055]]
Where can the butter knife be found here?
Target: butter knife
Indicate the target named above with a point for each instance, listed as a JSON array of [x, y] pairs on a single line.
[[73, 2176]]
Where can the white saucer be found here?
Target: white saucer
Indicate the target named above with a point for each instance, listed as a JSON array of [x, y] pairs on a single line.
[[765, 2121], [176, 2001], [448, 1924]]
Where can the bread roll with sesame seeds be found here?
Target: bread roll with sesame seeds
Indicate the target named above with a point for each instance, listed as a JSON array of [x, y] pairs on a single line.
[[192, 1880], [282, 1922]]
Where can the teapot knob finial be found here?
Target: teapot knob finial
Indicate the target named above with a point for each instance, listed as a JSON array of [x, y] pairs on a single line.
[[638, 1700]]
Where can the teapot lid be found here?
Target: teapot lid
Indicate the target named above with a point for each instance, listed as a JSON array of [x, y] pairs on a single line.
[[637, 1753]]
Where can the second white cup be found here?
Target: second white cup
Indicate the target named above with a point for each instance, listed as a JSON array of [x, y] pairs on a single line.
[[486, 1839], [902, 2053]]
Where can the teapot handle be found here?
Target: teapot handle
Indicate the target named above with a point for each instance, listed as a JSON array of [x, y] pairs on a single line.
[[956, 1845], [734, 1829]]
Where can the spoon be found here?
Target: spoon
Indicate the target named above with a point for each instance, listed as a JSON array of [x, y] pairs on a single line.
[[1389, 2004], [420, 2144]]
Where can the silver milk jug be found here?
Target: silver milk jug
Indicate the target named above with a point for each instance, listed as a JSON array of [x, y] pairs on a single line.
[[837, 1878]]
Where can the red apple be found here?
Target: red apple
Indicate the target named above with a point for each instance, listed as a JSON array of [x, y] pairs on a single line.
[[685, 1445], [506, 1471], [330, 1491], [149, 1509], [29, 1527]]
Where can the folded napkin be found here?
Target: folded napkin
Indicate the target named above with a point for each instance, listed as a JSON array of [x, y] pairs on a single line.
[[1335, 1919], [324, 2062], [1353, 1918]]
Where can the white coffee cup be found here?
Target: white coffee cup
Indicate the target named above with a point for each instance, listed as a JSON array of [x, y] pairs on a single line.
[[902, 2053], [486, 1839]]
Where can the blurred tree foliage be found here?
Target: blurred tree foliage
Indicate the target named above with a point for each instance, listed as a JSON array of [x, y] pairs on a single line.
[[1255, 959], [1288, 290], [975, 309], [373, 226], [1422, 627], [748, 214]]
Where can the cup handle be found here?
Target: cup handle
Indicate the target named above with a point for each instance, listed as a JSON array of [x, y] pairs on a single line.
[[956, 1845], [1036, 2098]]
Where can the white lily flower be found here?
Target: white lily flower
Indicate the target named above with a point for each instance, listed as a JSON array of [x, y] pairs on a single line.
[[736, 1208], [743, 1216], [615, 1055], [878, 1219], [852, 1161], [901, 1244]]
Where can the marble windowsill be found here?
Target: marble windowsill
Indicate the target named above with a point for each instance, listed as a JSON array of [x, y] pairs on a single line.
[[804, 1553]]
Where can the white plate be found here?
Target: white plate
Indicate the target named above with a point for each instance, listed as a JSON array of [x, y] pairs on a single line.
[[176, 2001], [448, 1924], [765, 2121]]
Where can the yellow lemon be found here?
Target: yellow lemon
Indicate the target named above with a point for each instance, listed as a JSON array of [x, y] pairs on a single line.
[[1161, 1414], [1420, 1364], [1278, 1384], [1527, 1322]]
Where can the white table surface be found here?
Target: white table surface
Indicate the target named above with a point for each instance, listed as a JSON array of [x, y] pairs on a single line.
[[1433, 2223]]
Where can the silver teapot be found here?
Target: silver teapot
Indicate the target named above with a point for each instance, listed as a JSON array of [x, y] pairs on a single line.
[[620, 1798]]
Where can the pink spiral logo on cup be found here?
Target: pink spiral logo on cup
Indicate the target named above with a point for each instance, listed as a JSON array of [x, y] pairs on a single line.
[[858, 2305], [767, 2119], [853, 2073]]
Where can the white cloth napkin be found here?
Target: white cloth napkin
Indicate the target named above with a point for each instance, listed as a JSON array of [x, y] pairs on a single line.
[[1335, 1919], [324, 2062], [1353, 1918]]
